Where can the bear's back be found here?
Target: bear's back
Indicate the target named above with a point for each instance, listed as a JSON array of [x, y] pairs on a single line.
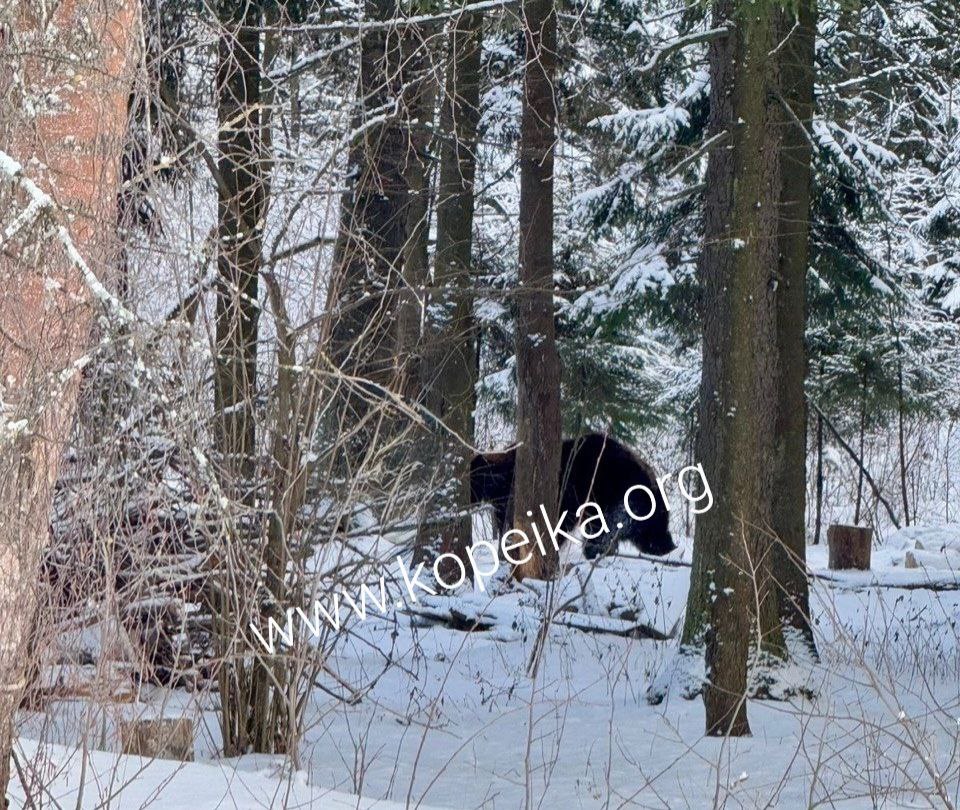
[[597, 467]]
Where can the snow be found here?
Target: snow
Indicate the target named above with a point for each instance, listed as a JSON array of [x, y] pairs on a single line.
[[931, 538], [459, 722], [454, 718], [77, 778]]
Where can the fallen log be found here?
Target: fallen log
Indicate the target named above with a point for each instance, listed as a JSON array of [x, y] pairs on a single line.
[[864, 583], [465, 616], [161, 738]]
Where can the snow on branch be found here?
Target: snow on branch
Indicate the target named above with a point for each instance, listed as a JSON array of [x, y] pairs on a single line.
[[681, 42], [383, 25], [41, 204]]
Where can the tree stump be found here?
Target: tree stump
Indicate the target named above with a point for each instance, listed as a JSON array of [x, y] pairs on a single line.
[[850, 547], [165, 738]]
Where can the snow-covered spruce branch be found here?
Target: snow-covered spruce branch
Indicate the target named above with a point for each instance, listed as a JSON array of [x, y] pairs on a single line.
[[42, 204]]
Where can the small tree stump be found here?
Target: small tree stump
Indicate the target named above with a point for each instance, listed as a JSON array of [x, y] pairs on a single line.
[[166, 738], [850, 547]]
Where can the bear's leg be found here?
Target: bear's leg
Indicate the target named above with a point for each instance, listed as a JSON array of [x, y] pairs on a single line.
[[601, 546], [633, 532], [618, 523], [502, 515]]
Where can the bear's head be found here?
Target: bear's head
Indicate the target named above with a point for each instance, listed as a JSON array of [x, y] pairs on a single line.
[[651, 536]]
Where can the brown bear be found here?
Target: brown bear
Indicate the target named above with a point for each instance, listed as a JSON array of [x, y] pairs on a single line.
[[593, 468]]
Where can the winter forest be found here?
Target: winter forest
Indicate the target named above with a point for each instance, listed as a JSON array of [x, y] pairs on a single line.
[[479, 404]]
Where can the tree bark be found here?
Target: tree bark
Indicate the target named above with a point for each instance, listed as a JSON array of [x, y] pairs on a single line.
[[860, 442], [450, 368], [362, 329], [901, 438], [368, 256], [738, 394], [539, 426], [850, 547], [419, 108], [818, 524], [44, 326], [252, 714], [241, 208], [797, 69]]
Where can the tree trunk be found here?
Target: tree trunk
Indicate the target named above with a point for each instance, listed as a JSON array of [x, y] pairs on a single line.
[[252, 714], [418, 109], [901, 437], [861, 437], [419, 105], [368, 256], [539, 426], [450, 369], [738, 393], [849, 25], [818, 521], [797, 70], [362, 329], [850, 547], [241, 207], [44, 326]]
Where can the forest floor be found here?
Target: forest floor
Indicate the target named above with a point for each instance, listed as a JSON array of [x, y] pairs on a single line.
[[458, 722]]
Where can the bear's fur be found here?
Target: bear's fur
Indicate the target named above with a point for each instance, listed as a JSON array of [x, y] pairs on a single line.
[[596, 468]]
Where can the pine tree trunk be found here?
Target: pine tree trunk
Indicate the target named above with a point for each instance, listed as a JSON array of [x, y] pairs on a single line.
[[450, 370], [368, 256], [539, 427], [419, 107], [901, 437], [860, 440], [818, 520], [797, 70], [44, 329], [738, 400], [417, 117], [850, 26]]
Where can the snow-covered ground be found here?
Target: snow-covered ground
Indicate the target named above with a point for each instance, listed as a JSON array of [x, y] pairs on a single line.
[[457, 721], [60, 776]]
